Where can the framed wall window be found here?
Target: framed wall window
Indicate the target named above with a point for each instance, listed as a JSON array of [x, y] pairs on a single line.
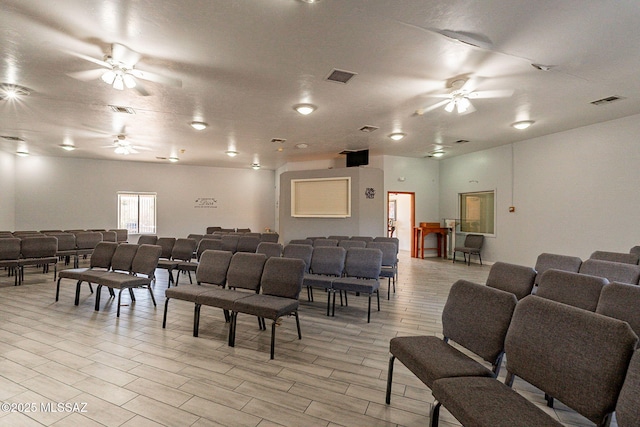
[[321, 197], [477, 212], [137, 212]]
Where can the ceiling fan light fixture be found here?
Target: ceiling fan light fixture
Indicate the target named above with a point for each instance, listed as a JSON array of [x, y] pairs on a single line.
[[305, 109], [450, 106], [198, 125], [121, 150], [108, 77], [231, 153], [129, 81], [118, 83], [397, 136], [68, 147], [438, 153], [523, 124], [463, 105], [255, 166], [173, 159]]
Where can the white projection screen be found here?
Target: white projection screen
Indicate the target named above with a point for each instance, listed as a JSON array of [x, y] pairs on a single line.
[[321, 197]]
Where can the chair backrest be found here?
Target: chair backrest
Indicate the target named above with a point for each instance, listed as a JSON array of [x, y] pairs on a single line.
[[88, 239], [122, 234], [338, 238], [243, 230], [102, 255], [301, 242], [183, 249], [324, 242], [327, 260], [9, 248], [575, 289], [613, 271], [394, 240], [66, 241], [282, 277], [474, 241], [166, 243], [627, 408], [362, 238], [38, 246], [230, 242], [363, 263], [574, 355], [477, 317], [546, 261], [205, 244], [389, 253], [147, 239], [213, 267], [352, 244], [248, 243], [621, 301], [196, 237], [109, 236], [269, 237], [635, 250], [517, 279], [303, 252], [146, 260], [245, 270], [270, 249], [627, 258], [210, 230], [217, 236], [123, 256]]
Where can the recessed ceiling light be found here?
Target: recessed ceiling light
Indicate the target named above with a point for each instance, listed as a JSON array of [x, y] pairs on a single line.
[[68, 147], [302, 145], [397, 136], [437, 153], [305, 109], [522, 124], [231, 153], [173, 159], [255, 166], [23, 152], [310, 1], [199, 125]]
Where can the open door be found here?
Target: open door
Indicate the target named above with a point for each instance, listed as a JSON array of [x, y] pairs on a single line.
[[401, 212]]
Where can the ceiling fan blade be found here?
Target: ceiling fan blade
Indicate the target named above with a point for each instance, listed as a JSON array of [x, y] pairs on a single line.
[[138, 147], [157, 78], [139, 87], [483, 94], [125, 55], [89, 58], [422, 111], [87, 74], [132, 150], [470, 109]]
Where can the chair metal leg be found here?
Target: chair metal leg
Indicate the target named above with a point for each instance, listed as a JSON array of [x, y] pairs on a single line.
[[369, 310], [232, 329], [298, 324], [98, 292], [152, 297], [273, 338], [133, 297], [378, 298], [77, 300], [58, 289], [119, 298], [190, 280], [329, 299], [390, 378], [164, 317], [435, 413], [196, 320]]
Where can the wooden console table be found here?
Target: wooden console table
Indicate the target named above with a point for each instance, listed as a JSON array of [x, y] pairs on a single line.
[[420, 233]]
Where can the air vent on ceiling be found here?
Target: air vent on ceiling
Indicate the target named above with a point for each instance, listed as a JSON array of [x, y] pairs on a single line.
[[12, 138], [340, 76], [607, 100], [278, 140], [119, 109], [369, 128]]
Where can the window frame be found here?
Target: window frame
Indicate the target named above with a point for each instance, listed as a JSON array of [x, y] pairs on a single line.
[[463, 217], [137, 194]]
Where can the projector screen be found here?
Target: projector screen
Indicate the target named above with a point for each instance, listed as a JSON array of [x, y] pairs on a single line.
[[321, 197]]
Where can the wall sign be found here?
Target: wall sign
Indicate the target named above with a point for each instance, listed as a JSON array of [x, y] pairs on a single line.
[[370, 193], [206, 203]]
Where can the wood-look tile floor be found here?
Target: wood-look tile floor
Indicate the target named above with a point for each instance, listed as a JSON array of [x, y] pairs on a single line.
[[129, 371]]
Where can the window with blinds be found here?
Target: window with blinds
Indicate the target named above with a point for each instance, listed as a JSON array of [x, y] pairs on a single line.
[[477, 212], [137, 212], [321, 197]]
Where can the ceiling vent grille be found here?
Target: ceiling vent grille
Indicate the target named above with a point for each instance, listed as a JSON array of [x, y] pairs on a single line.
[[278, 140], [124, 110], [369, 129], [607, 100], [12, 138], [340, 76]]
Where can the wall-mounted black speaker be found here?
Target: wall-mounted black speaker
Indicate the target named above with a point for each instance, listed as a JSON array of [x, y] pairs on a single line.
[[357, 158]]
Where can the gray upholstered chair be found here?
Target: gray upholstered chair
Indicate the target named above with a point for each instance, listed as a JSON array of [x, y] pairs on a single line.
[[66, 247], [211, 230], [627, 258], [191, 265], [281, 282], [362, 271], [324, 242], [181, 251], [635, 250], [546, 261], [303, 252], [338, 238], [166, 243], [389, 262], [476, 318], [121, 262], [352, 244], [301, 242], [147, 239], [327, 264], [86, 241], [243, 230], [109, 236], [393, 240], [10, 255], [621, 301], [627, 408], [122, 234], [613, 271], [365, 239], [270, 249], [211, 272], [575, 289], [582, 364], [230, 242], [247, 243], [269, 237], [472, 246], [38, 251], [517, 279]]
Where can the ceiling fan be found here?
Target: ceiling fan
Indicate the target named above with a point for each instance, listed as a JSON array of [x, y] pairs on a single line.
[[460, 96], [124, 147], [119, 70]]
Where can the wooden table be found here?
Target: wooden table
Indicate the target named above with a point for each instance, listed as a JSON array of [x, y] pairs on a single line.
[[420, 233]]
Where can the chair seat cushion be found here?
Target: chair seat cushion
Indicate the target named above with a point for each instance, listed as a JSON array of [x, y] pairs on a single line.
[[187, 292], [318, 280], [122, 280], [77, 273], [187, 266], [167, 264], [38, 261], [266, 306], [221, 298], [354, 284], [465, 249], [430, 358], [476, 401]]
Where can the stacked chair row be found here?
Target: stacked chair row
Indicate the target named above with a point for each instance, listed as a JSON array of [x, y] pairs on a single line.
[[116, 266], [18, 253], [248, 283], [573, 355], [216, 229]]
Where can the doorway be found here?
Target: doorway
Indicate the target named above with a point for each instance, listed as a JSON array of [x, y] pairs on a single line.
[[401, 212]]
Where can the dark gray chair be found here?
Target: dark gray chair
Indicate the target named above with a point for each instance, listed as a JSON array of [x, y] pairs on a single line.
[[338, 238], [211, 230], [301, 242], [192, 266], [181, 251], [582, 363], [37, 251], [303, 252], [627, 258], [365, 239], [613, 271], [247, 244], [10, 255], [269, 237], [230, 242], [352, 244], [517, 279], [575, 289], [475, 317], [324, 242], [635, 250], [86, 241], [281, 282], [109, 236], [389, 262], [627, 408], [621, 301], [122, 234], [472, 246], [327, 264], [147, 239], [362, 271], [270, 249], [121, 262], [546, 261]]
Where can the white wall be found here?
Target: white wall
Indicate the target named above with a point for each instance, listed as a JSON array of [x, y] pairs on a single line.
[[7, 192], [574, 192], [66, 193]]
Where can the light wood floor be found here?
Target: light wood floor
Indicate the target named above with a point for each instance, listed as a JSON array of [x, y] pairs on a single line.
[[131, 372]]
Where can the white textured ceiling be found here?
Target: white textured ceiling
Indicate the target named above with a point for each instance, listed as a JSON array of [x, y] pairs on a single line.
[[245, 63]]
